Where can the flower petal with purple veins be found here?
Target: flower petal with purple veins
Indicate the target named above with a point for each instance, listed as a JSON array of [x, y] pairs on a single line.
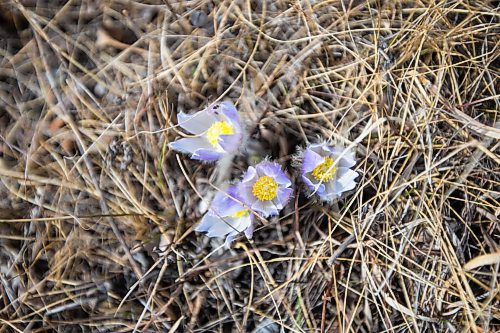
[[318, 148]]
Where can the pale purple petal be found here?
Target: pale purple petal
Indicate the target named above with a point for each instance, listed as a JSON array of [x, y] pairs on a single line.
[[241, 223], [328, 196], [230, 112], [245, 192], [274, 171], [319, 148], [265, 208], [249, 231], [206, 155], [284, 194], [310, 160], [346, 178], [227, 203], [344, 156], [317, 187], [196, 123], [220, 229], [230, 239], [335, 187], [333, 190], [220, 221], [189, 145], [249, 175], [213, 225], [228, 226], [266, 168], [230, 142]]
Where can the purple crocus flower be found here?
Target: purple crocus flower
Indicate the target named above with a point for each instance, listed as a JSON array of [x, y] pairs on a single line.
[[265, 188], [326, 170], [217, 132], [227, 217]]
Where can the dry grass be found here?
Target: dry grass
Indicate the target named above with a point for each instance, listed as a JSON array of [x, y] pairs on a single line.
[[97, 215]]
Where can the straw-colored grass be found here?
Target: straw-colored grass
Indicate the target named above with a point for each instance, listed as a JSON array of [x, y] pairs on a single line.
[[97, 214]]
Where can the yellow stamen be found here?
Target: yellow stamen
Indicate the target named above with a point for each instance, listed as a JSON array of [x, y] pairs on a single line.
[[241, 213], [217, 129], [325, 170], [265, 188]]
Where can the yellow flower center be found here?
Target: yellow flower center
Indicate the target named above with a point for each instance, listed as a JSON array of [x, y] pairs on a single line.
[[217, 129], [241, 213], [265, 188], [325, 170]]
